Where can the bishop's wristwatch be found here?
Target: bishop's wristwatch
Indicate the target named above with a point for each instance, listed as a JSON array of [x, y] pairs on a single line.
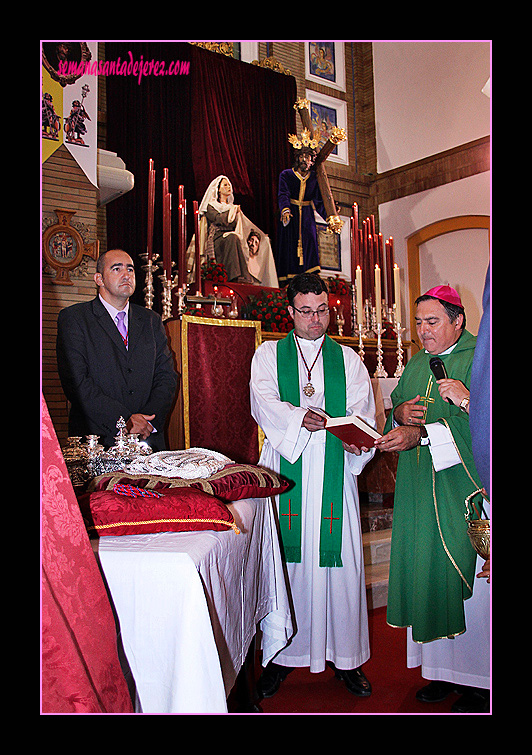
[[424, 439], [464, 404]]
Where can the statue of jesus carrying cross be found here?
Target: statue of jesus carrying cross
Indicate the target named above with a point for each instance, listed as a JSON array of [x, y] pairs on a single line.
[[301, 192]]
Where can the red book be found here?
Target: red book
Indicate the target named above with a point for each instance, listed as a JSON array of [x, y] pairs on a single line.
[[351, 430]]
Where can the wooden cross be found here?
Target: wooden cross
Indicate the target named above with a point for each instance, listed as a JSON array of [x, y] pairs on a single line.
[[331, 518], [289, 515], [337, 135]]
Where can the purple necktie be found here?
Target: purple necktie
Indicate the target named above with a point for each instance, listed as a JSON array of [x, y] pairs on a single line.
[[121, 326]]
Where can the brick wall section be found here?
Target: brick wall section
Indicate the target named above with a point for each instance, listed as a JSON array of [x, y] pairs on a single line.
[[64, 186]]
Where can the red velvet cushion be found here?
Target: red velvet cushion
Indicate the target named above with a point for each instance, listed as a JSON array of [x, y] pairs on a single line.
[[177, 510], [237, 481], [232, 483]]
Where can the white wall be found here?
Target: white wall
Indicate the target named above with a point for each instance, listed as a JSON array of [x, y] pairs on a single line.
[[428, 99], [460, 258]]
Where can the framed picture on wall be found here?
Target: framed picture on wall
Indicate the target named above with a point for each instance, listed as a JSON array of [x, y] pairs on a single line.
[[326, 113], [329, 248], [325, 63]]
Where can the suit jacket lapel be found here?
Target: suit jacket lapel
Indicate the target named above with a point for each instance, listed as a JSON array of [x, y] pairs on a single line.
[[135, 327], [106, 322]]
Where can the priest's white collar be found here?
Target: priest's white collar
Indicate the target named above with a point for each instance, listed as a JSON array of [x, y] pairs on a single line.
[[314, 341], [443, 353]]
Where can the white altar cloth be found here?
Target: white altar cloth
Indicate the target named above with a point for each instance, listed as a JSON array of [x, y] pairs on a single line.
[[189, 603]]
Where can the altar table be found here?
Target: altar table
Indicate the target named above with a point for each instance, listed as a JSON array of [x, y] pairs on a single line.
[[189, 603]]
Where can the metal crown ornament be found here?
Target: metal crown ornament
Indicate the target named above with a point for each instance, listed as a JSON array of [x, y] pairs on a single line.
[[305, 140]]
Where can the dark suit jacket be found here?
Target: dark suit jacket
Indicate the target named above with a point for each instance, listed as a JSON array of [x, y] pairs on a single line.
[[105, 381]]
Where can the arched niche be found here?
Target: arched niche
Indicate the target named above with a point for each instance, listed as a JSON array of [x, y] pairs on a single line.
[[420, 237]]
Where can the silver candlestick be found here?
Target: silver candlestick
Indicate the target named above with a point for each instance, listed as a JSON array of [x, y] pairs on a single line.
[[150, 267], [182, 298], [360, 340], [340, 319], [380, 372], [353, 310], [399, 330], [168, 286]]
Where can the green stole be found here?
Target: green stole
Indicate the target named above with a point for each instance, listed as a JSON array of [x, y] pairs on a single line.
[[333, 478]]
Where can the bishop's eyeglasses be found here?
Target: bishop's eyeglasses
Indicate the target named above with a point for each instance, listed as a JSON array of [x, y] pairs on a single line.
[[308, 313]]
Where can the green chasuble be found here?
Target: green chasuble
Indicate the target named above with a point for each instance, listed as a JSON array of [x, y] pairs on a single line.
[[290, 504], [432, 564]]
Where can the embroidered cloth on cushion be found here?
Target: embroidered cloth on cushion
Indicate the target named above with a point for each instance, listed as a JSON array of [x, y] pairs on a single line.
[[178, 510], [232, 483], [189, 463]]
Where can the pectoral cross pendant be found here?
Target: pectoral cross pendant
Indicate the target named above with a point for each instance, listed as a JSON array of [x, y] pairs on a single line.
[[308, 390]]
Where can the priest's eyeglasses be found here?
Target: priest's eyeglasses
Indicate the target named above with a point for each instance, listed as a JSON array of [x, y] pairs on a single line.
[[308, 313]]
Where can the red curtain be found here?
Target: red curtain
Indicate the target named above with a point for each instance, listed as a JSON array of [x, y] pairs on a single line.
[[81, 672], [224, 116], [218, 144]]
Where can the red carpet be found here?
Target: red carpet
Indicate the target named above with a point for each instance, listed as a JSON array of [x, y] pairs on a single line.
[[394, 685]]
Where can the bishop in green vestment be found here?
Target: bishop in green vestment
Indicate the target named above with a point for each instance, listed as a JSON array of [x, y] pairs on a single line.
[[432, 564]]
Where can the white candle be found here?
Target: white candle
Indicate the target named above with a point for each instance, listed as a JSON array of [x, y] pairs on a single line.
[[378, 302], [397, 291], [360, 306]]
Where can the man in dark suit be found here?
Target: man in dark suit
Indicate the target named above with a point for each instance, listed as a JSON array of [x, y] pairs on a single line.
[[107, 374]]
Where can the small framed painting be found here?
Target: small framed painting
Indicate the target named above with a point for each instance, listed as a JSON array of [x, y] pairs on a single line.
[[325, 63], [326, 113], [329, 248]]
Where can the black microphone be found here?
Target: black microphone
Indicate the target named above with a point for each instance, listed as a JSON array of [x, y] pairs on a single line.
[[438, 368]]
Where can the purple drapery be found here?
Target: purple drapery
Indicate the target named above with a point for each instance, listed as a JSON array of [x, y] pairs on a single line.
[[223, 116]]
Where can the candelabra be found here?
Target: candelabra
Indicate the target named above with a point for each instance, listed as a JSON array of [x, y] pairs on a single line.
[[380, 372], [150, 267]]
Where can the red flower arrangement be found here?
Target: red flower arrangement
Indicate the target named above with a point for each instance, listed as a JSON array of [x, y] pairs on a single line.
[[338, 286], [213, 271], [271, 309]]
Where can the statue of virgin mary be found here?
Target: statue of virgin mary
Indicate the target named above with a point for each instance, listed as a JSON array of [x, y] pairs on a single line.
[[224, 233]]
